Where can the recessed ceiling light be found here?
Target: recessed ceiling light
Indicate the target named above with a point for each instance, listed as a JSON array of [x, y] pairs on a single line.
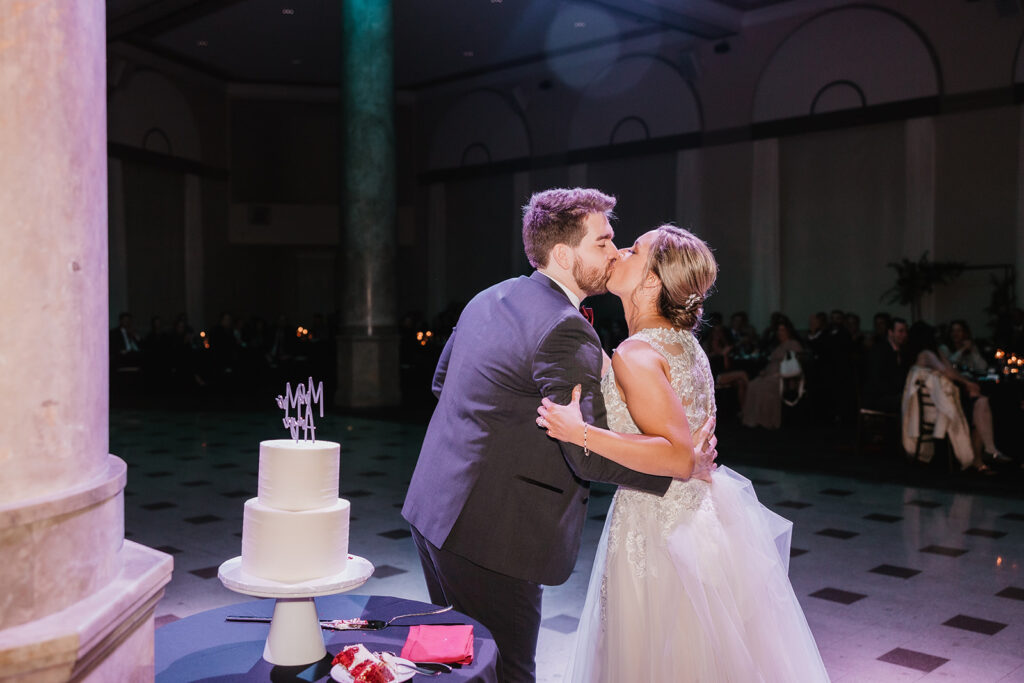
[[495, 2], [287, 11], [201, 43], [467, 53], [296, 61], [580, 24]]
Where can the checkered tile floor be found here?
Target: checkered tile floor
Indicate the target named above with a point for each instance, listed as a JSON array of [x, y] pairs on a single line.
[[898, 584]]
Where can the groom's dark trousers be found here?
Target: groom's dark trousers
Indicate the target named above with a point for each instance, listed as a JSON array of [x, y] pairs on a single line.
[[496, 506]]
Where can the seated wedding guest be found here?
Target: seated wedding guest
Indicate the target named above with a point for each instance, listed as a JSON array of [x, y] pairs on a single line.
[[763, 406], [718, 347], [880, 329], [887, 366], [838, 369], [852, 323], [952, 403], [768, 337], [744, 338], [125, 347], [961, 351], [224, 346]]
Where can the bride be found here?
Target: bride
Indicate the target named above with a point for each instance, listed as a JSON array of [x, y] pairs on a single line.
[[691, 586]]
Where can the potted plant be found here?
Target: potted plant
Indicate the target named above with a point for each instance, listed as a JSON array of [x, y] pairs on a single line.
[[914, 279]]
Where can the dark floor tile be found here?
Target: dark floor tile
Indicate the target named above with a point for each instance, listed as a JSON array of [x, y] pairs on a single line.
[[129, 493], [942, 550], [131, 464], [158, 450], [224, 466], [796, 552], [1011, 592], [599, 518], [237, 493], [928, 504], [893, 570], [836, 595], [880, 517], [169, 549], [373, 473], [796, 505], [358, 493], [155, 475], [837, 533], [986, 533], [975, 625], [187, 458], [385, 570], [1015, 516], [161, 505], [203, 519], [836, 492], [396, 534], [919, 661], [383, 457], [563, 623], [215, 444], [195, 482], [398, 505], [762, 482], [205, 572]]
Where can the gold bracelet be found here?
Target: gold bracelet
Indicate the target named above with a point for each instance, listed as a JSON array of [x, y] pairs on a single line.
[[586, 451]]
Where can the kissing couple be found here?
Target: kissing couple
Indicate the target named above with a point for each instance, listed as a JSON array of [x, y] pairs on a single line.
[[690, 579]]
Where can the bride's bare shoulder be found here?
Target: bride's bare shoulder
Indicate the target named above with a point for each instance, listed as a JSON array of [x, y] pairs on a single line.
[[637, 356]]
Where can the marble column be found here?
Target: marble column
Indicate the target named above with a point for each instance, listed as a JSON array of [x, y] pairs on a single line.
[[765, 233], [921, 197], [368, 343], [76, 599]]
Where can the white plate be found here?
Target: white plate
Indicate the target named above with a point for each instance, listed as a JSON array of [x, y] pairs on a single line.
[[396, 664]]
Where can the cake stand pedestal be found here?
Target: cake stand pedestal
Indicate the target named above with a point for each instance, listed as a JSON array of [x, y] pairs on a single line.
[[295, 635]]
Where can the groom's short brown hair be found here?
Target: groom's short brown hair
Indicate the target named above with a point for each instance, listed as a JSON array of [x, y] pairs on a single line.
[[556, 217]]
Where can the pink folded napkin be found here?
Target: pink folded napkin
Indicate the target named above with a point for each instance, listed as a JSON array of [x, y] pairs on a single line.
[[449, 644]]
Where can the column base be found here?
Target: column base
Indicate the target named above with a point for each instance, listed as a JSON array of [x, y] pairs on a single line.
[[368, 371], [107, 636]]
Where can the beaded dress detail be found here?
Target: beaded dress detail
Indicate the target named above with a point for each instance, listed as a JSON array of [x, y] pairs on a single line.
[[692, 585]]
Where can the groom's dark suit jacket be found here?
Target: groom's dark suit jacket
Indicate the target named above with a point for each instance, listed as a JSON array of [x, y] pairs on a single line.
[[489, 484]]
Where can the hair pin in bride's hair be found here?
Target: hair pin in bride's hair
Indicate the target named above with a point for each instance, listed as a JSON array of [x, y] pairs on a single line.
[[693, 302]]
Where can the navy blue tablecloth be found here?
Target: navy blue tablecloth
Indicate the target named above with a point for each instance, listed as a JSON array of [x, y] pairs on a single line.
[[204, 647]]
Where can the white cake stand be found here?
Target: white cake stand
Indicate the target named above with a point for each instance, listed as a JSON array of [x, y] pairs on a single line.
[[295, 635]]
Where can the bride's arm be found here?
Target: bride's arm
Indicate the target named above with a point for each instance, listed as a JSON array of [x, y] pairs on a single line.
[[665, 446]]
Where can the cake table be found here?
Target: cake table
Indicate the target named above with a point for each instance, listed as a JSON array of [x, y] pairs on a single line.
[[295, 636]]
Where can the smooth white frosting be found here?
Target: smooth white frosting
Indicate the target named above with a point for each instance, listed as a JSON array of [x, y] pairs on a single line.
[[298, 475], [292, 546]]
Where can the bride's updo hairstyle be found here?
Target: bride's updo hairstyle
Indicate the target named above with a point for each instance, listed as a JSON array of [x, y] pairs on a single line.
[[687, 270]]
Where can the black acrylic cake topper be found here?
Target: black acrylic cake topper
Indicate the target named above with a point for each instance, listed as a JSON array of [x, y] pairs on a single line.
[[302, 400]]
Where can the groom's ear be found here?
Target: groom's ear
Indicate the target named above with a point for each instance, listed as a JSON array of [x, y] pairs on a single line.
[[562, 255]]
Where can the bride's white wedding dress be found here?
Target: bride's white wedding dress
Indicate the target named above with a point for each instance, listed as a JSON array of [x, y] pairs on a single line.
[[691, 586]]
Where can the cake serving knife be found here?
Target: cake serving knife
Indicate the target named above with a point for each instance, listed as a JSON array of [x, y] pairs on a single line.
[[358, 624]]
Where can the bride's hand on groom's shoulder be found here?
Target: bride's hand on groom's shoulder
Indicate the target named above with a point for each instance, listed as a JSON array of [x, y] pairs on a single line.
[[705, 450], [564, 423]]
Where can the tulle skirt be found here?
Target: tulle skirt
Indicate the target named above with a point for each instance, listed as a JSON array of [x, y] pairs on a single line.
[[694, 587]]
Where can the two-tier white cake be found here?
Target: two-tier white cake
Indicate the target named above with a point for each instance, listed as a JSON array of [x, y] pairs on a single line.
[[296, 529]]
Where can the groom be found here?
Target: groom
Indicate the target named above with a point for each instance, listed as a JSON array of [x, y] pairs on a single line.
[[496, 507]]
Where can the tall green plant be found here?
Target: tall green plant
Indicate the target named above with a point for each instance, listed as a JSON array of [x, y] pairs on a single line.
[[914, 279]]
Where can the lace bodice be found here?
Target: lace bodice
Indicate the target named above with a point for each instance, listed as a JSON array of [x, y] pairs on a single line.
[[694, 385], [691, 378]]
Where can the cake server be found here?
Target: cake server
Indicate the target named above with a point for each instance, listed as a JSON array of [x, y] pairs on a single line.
[[357, 624]]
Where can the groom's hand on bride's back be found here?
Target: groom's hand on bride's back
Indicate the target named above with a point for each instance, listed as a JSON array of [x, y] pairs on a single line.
[[705, 451]]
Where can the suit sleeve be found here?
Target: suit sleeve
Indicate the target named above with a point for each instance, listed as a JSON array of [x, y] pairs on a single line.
[[570, 356], [441, 371]]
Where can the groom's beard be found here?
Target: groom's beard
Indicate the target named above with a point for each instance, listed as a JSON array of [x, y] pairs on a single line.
[[591, 280]]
